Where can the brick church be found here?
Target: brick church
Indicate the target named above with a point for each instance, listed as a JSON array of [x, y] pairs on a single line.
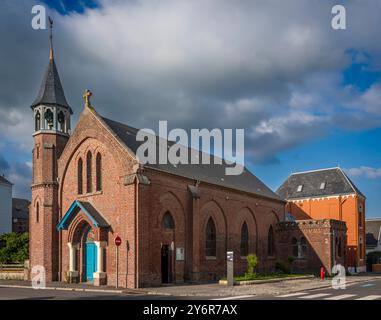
[[175, 222]]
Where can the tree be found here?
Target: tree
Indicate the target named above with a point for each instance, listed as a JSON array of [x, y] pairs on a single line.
[[14, 247]]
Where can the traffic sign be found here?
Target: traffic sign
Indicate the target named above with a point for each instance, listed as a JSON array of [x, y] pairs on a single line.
[[118, 241]]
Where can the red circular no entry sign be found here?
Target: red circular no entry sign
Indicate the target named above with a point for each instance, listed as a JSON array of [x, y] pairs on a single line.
[[118, 241]]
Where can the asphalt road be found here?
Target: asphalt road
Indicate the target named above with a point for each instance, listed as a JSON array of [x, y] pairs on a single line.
[[360, 291], [370, 290]]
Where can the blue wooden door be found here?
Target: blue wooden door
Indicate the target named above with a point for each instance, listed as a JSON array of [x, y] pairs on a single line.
[[91, 260]]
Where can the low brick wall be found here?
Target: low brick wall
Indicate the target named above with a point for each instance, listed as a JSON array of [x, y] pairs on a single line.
[[12, 272]]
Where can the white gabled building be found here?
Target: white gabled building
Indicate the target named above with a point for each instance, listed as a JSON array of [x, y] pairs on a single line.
[[5, 205]]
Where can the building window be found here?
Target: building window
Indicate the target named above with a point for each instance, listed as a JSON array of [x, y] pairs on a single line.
[[339, 253], [322, 186], [167, 223], [37, 213], [303, 247], [80, 176], [361, 248], [270, 242], [89, 182], [244, 240], [300, 188], [210, 243], [37, 125], [360, 219], [295, 247], [99, 171]]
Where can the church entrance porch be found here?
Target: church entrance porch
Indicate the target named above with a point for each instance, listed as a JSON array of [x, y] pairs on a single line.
[[87, 235]]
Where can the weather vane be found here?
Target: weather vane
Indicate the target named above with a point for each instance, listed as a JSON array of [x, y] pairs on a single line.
[[51, 37]]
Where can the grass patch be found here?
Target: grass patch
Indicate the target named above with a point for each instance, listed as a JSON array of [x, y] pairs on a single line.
[[266, 276]]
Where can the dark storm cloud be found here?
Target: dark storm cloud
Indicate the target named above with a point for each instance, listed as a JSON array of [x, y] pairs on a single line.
[[245, 64], [4, 165]]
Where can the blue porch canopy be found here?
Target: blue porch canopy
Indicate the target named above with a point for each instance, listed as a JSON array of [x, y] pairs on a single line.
[[87, 208]]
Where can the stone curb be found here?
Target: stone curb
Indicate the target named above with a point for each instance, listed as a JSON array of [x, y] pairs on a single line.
[[63, 289]]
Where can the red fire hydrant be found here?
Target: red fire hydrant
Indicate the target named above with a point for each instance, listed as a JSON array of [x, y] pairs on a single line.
[[322, 273]]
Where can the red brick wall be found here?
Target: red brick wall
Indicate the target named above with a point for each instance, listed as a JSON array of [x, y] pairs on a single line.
[[43, 235], [228, 208], [318, 234]]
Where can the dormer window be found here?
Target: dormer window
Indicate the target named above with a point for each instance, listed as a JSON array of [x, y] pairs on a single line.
[[322, 186], [300, 188]]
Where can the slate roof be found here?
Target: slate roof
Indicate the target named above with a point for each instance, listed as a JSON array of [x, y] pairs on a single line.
[[97, 219], [4, 180], [336, 183], [209, 173], [20, 208], [51, 91]]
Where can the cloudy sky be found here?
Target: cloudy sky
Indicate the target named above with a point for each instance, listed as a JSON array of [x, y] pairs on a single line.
[[308, 96]]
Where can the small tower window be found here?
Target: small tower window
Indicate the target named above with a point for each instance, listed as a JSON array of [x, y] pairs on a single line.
[[37, 124], [61, 121], [37, 213], [89, 187], [300, 188], [99, 171], [80, 176], [322, 186]]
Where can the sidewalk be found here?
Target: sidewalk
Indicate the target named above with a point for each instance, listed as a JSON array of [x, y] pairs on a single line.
[[263, 289], [70, 287], [202, 290]]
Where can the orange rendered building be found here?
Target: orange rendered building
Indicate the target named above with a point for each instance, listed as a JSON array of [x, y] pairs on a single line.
[[329, 194]]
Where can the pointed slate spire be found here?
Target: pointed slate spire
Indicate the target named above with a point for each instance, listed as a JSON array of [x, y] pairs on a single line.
[[51, 91]]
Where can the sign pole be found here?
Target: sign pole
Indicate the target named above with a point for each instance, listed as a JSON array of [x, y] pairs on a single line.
[[118, 242], [117, 266], [230, 267]]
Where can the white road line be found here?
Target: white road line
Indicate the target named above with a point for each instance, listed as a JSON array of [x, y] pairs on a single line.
[[372, 297], [368, 285], [296, 294], [314, 296], [234, 298], [341, 297]]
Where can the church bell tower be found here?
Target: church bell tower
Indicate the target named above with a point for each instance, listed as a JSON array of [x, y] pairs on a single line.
[[51, 114]]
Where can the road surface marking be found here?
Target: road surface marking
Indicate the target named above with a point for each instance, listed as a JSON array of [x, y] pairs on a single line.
[[374, 297], [313, 296], [296, 294], [234, 298], [343, 296], [368, 285]]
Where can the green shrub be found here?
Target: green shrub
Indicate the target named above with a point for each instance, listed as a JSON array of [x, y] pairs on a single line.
[[14, 247], [291, 259], [252, 262], [282, 267]]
